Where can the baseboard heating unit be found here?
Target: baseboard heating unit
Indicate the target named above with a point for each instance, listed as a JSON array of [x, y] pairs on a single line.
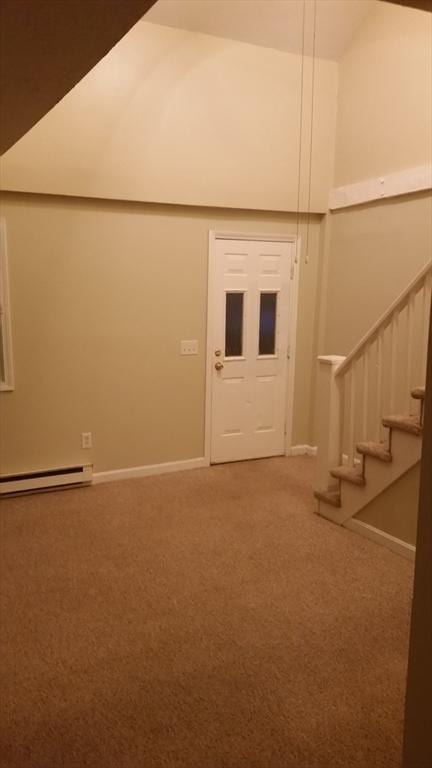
[[46, 479]]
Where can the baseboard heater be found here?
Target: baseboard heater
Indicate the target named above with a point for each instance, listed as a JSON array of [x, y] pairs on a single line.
[[45, 479]]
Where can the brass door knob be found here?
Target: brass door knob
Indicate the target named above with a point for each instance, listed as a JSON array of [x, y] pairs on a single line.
[[218, 366]]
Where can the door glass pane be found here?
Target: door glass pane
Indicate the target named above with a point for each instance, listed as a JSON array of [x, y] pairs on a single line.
[[267, 324], [234, 325]]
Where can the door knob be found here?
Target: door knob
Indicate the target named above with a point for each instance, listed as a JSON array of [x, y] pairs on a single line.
[[218, 366]]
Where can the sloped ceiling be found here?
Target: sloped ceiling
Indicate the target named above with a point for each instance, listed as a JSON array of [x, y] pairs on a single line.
[[47, 46], [270, 23], [421, 5]]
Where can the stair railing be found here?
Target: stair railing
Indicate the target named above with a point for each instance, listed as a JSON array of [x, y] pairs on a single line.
[[375, 379]]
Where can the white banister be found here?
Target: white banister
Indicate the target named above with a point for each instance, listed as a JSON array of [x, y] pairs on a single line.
[[427, 291], [394, 359], [379, 384], [351, 416], [355, 391], [328, 420], [410, 347], [384, 320], [365, 392]]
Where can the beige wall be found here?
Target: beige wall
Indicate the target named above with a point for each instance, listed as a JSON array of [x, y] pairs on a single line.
[[101, 295], [395, 510], [102, 292], [384, 119], [384, 124], [375, 251], [177, 116], [180, 117]]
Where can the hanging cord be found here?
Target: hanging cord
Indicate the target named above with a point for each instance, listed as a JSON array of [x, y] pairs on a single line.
[[311, 135], [300, 140]]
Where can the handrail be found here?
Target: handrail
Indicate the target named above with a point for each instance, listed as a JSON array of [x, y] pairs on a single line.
[[382, 321]]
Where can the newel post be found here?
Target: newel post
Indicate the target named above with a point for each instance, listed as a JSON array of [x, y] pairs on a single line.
[[328, 420]]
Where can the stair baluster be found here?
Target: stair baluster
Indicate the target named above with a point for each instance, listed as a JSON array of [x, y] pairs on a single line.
[[351, 397]]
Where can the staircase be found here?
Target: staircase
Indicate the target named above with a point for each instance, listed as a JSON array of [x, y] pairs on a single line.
[[371, 406]]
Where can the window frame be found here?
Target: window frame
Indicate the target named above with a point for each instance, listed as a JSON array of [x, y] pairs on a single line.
[[7, 384]]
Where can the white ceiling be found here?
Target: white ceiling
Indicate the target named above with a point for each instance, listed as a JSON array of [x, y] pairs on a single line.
[[270, 23]]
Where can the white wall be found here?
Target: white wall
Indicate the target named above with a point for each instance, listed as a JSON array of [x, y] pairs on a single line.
[[384, 120], [180, 117]]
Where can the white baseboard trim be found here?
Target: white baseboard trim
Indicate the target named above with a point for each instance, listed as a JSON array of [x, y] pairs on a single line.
[[302, 450], [380, 537], [149, 469]]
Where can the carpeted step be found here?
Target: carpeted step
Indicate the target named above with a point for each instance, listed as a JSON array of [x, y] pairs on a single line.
[[418, 393], [378, 451], [352, 475], [330, 497], [409, 424]]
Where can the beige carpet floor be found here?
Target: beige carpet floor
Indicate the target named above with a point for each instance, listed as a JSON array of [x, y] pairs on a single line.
[[200, 620]]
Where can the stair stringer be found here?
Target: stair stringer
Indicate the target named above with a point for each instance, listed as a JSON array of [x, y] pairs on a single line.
[[406, 452]]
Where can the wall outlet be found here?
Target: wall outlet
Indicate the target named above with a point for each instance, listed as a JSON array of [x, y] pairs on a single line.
[[189, 347], [86, 440]]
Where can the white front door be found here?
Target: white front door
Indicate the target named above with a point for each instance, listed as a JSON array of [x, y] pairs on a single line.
[[249, 283]]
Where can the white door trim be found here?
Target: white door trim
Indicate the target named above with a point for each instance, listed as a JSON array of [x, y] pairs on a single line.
[[292, 330]]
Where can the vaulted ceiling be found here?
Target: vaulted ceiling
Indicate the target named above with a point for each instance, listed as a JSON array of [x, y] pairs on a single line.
[[47, 46], [270, 23]]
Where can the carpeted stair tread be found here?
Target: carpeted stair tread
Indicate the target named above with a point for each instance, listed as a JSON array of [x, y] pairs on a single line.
[[330, 497], [378, 451], [350, 474], [405, 423], [418, 393]]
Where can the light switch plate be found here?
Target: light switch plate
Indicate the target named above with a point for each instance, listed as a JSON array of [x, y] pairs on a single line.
[[189, 347], [86, 440]]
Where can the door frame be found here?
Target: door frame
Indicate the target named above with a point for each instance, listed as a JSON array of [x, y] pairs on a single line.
[[215, 235]]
